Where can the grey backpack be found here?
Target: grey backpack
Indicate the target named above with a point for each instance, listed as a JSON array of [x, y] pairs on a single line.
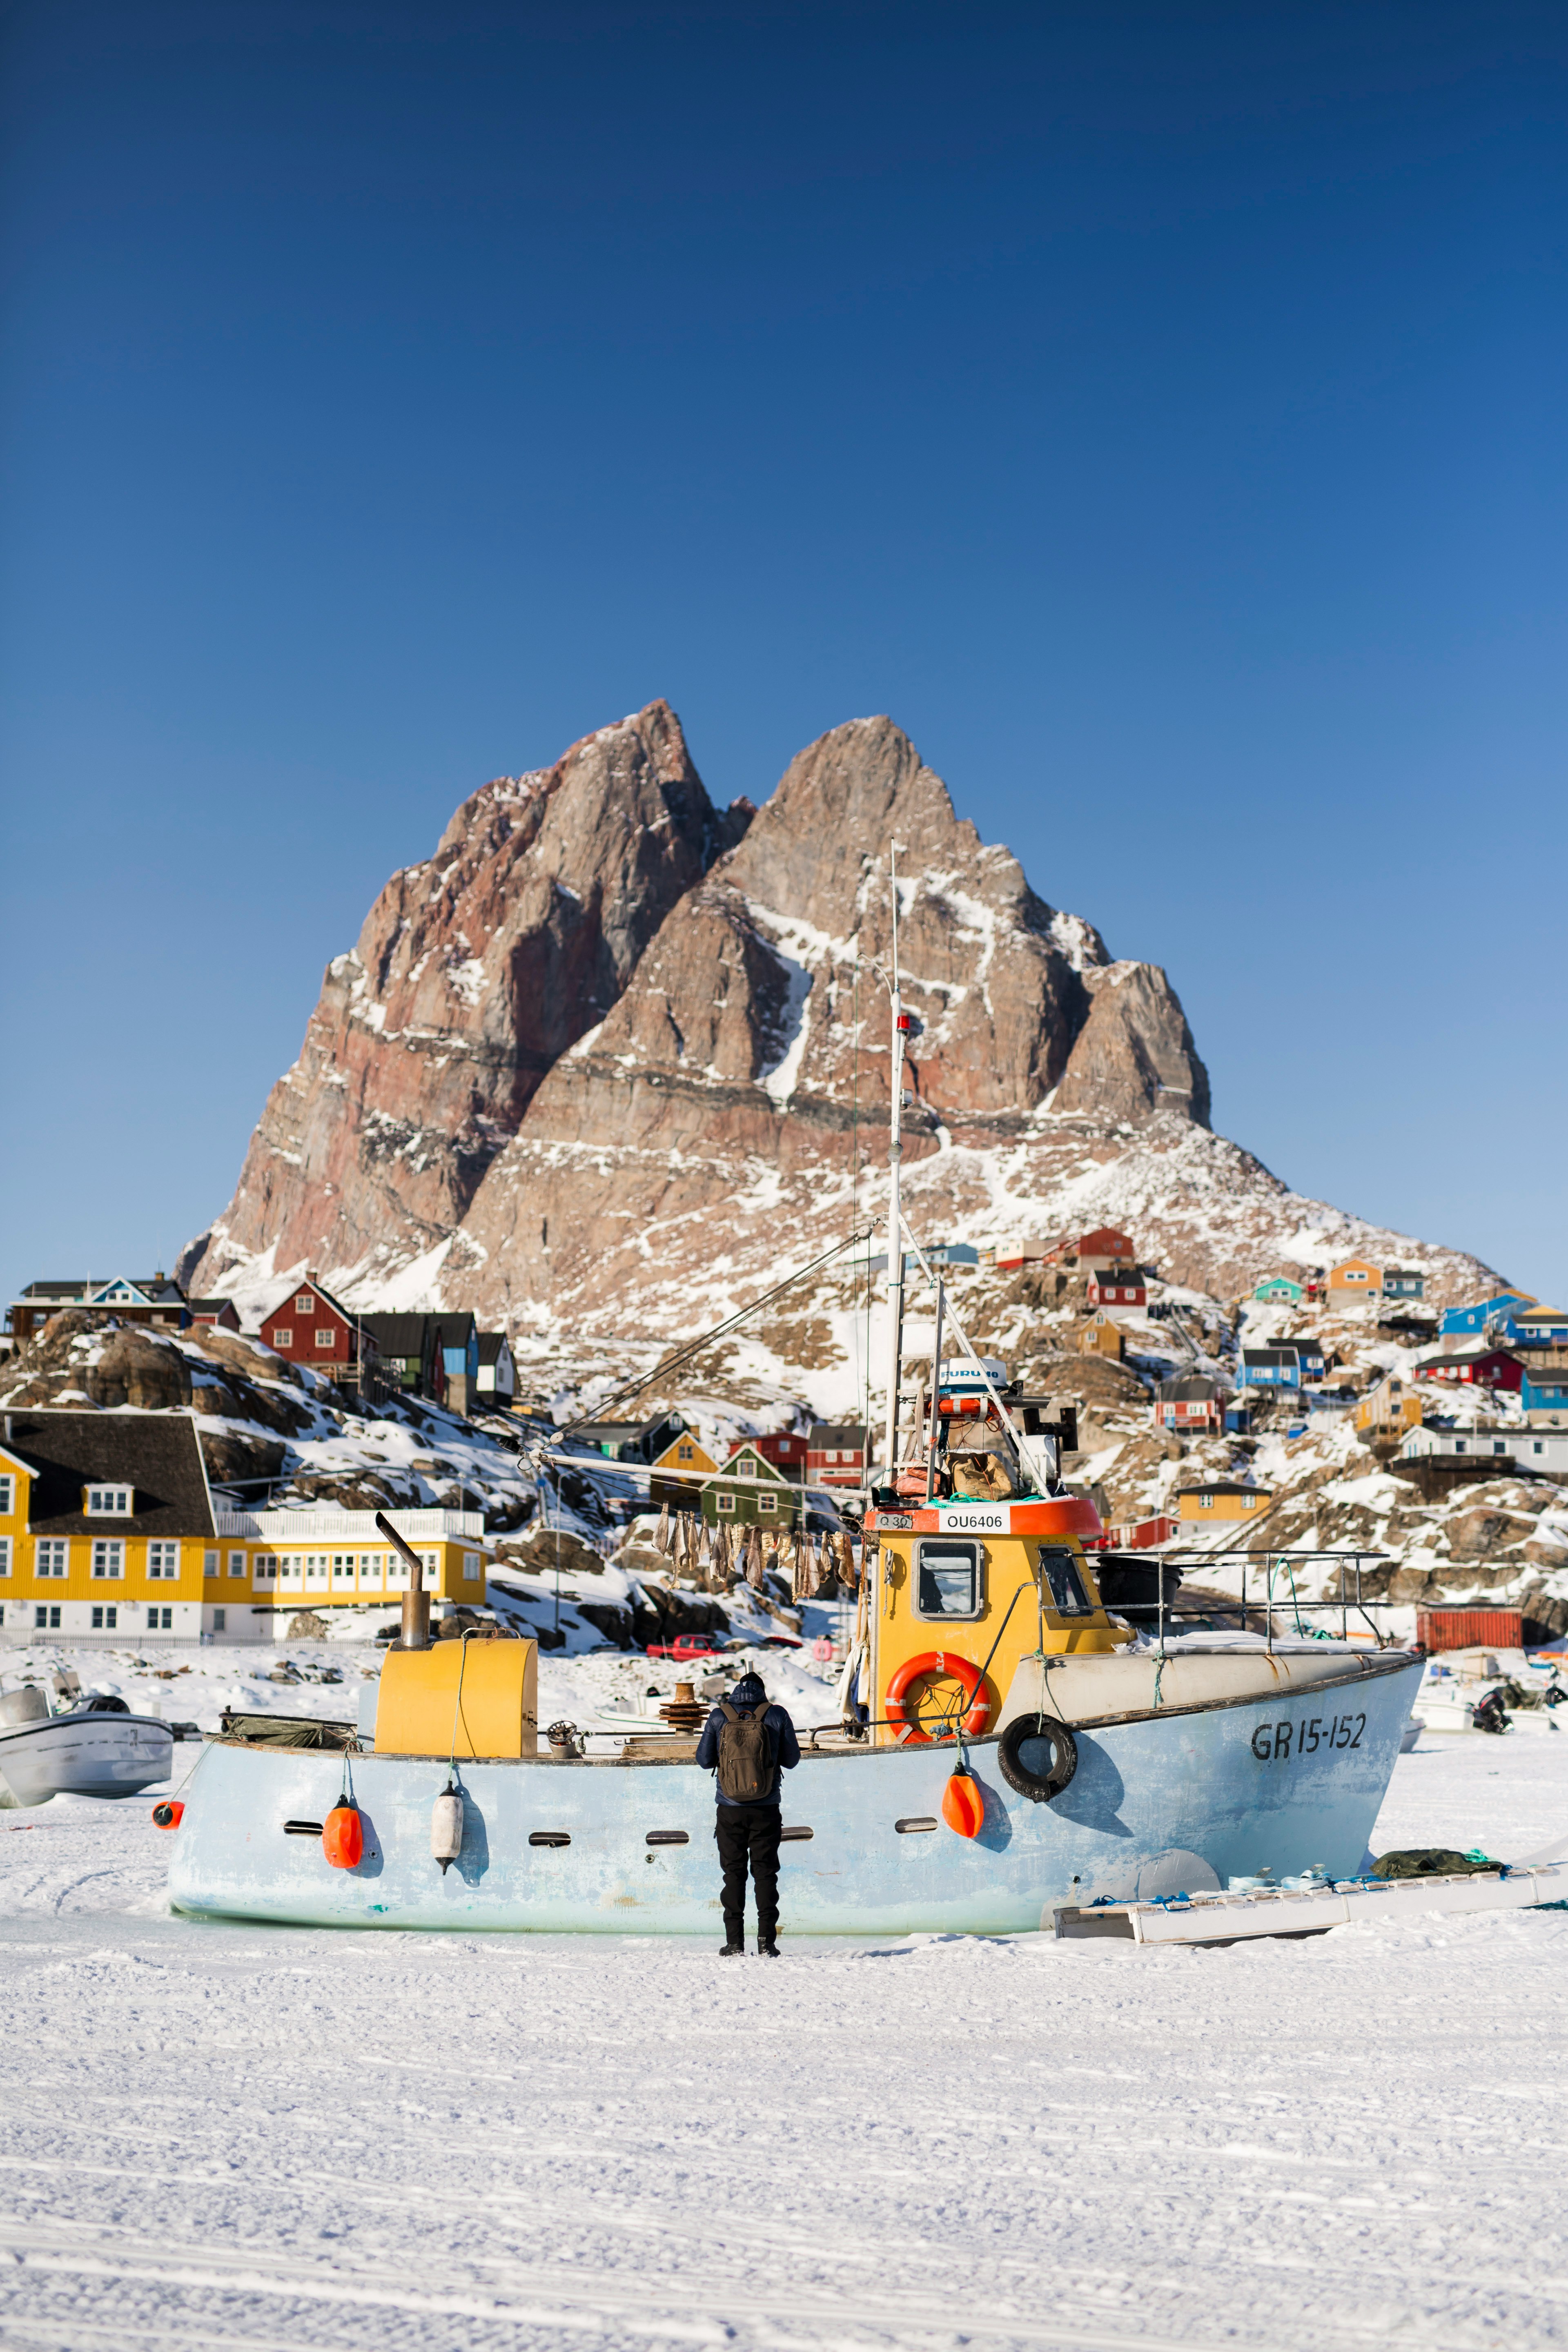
[[746, 1768]]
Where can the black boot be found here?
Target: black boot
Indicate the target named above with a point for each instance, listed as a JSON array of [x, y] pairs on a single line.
[[767, 1949], [731, 1951]]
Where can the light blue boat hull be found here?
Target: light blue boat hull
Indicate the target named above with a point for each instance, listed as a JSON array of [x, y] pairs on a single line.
[[1159, 1803]]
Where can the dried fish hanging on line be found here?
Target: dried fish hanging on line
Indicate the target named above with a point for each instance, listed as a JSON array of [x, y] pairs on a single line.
[[661, 1533], [754, 1557]]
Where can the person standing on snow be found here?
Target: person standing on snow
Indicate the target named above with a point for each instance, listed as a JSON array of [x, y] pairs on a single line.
[[749, 1745]]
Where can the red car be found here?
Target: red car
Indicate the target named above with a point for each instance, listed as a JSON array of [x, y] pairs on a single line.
[[688, 1646]]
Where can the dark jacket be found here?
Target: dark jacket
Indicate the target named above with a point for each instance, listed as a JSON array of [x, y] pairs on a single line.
[[783, 1748]]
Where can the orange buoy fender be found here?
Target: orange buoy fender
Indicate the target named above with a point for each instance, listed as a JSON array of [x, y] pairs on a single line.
[[934, 1662], [343, 1837], [168, 1816], [963, 1803]]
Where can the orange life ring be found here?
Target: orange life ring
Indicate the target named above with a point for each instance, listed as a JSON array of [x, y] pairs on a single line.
[[932, 1661]]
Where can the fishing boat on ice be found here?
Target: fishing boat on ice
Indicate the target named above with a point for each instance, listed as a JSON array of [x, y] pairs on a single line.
[[1009, 1749], [95, 1748]]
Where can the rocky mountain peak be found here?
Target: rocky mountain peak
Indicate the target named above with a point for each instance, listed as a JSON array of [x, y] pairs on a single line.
[[608, 1031]]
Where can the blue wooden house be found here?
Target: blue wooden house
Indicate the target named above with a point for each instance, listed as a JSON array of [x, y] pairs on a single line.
[[1404, 1282], [1545, 1390], [1476, 1318], [1270, 1368], [1531, 1327]]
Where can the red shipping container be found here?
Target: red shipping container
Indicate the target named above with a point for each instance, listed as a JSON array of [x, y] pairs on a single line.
[[1470, 1629]]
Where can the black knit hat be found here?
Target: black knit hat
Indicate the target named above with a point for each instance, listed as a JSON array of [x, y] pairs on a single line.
[[749, 1690]]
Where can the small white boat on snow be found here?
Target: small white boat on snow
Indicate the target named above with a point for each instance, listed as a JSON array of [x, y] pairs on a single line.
[[96, 1749]]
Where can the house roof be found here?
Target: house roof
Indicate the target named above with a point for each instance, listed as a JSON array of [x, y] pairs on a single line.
[[398, 1335], [208, 1305], [157, 1454], [1276, 1355], [156, 1289], [836, 1433], [454, 1327], [748, 1454], [491, 1346], [1189, 1388], [1223, 1486]]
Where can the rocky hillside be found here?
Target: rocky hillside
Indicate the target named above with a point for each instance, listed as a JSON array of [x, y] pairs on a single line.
[[611, 1057]]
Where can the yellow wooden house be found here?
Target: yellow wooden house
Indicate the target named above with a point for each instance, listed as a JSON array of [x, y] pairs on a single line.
[[1220, 1499], [109, 1531], [1355, 1281], [1100, 1336], [1388, 1408], [685, 1458]]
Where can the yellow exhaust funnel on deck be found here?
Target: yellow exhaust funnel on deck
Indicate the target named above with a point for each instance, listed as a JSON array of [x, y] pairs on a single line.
[[496, 1713]]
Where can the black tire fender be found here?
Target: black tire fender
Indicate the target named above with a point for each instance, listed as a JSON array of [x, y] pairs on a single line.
[[1036, 1786]]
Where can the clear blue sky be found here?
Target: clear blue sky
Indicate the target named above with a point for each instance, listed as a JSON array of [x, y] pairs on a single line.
[[1158, 409]]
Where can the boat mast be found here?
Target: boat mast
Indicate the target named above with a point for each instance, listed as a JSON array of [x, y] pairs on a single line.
[[895, 1155]]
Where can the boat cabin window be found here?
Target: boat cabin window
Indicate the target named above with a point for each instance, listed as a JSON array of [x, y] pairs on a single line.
[[1066, 1586], [949, 1580]]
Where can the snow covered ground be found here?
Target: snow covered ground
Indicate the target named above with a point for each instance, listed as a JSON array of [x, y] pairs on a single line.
[[250, 2138]]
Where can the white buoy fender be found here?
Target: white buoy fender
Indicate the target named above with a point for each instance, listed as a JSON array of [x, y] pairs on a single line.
[[446, 1828]]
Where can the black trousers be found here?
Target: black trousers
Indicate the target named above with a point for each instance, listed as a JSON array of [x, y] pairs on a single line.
[[749, 1834]]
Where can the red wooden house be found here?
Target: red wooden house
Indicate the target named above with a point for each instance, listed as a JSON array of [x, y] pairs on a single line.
[[308, 1327], [1119, 1286], [1147, 1535], [1106, 1245], [1191, 1402], [835, 1453], [786, 1449], [1489, 1367]]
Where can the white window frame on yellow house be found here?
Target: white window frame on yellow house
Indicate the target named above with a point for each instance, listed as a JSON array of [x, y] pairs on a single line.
[[342, 1569], [7, 1494], [318, 1571], [108, 1559], [163, 1563], [4, 1554], [470, 1568], [51, 1557], [109, 1502], [212, 1565], [237, 1563], [264, 1568]]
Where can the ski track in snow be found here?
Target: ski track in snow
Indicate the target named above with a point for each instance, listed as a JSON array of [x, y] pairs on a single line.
[[248, 2138]]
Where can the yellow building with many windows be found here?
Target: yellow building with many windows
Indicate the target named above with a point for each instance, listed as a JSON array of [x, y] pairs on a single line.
[[109, 1531]]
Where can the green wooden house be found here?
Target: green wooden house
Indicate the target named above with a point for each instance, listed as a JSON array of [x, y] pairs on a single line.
[[749, 1492], [1278, 1290]]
